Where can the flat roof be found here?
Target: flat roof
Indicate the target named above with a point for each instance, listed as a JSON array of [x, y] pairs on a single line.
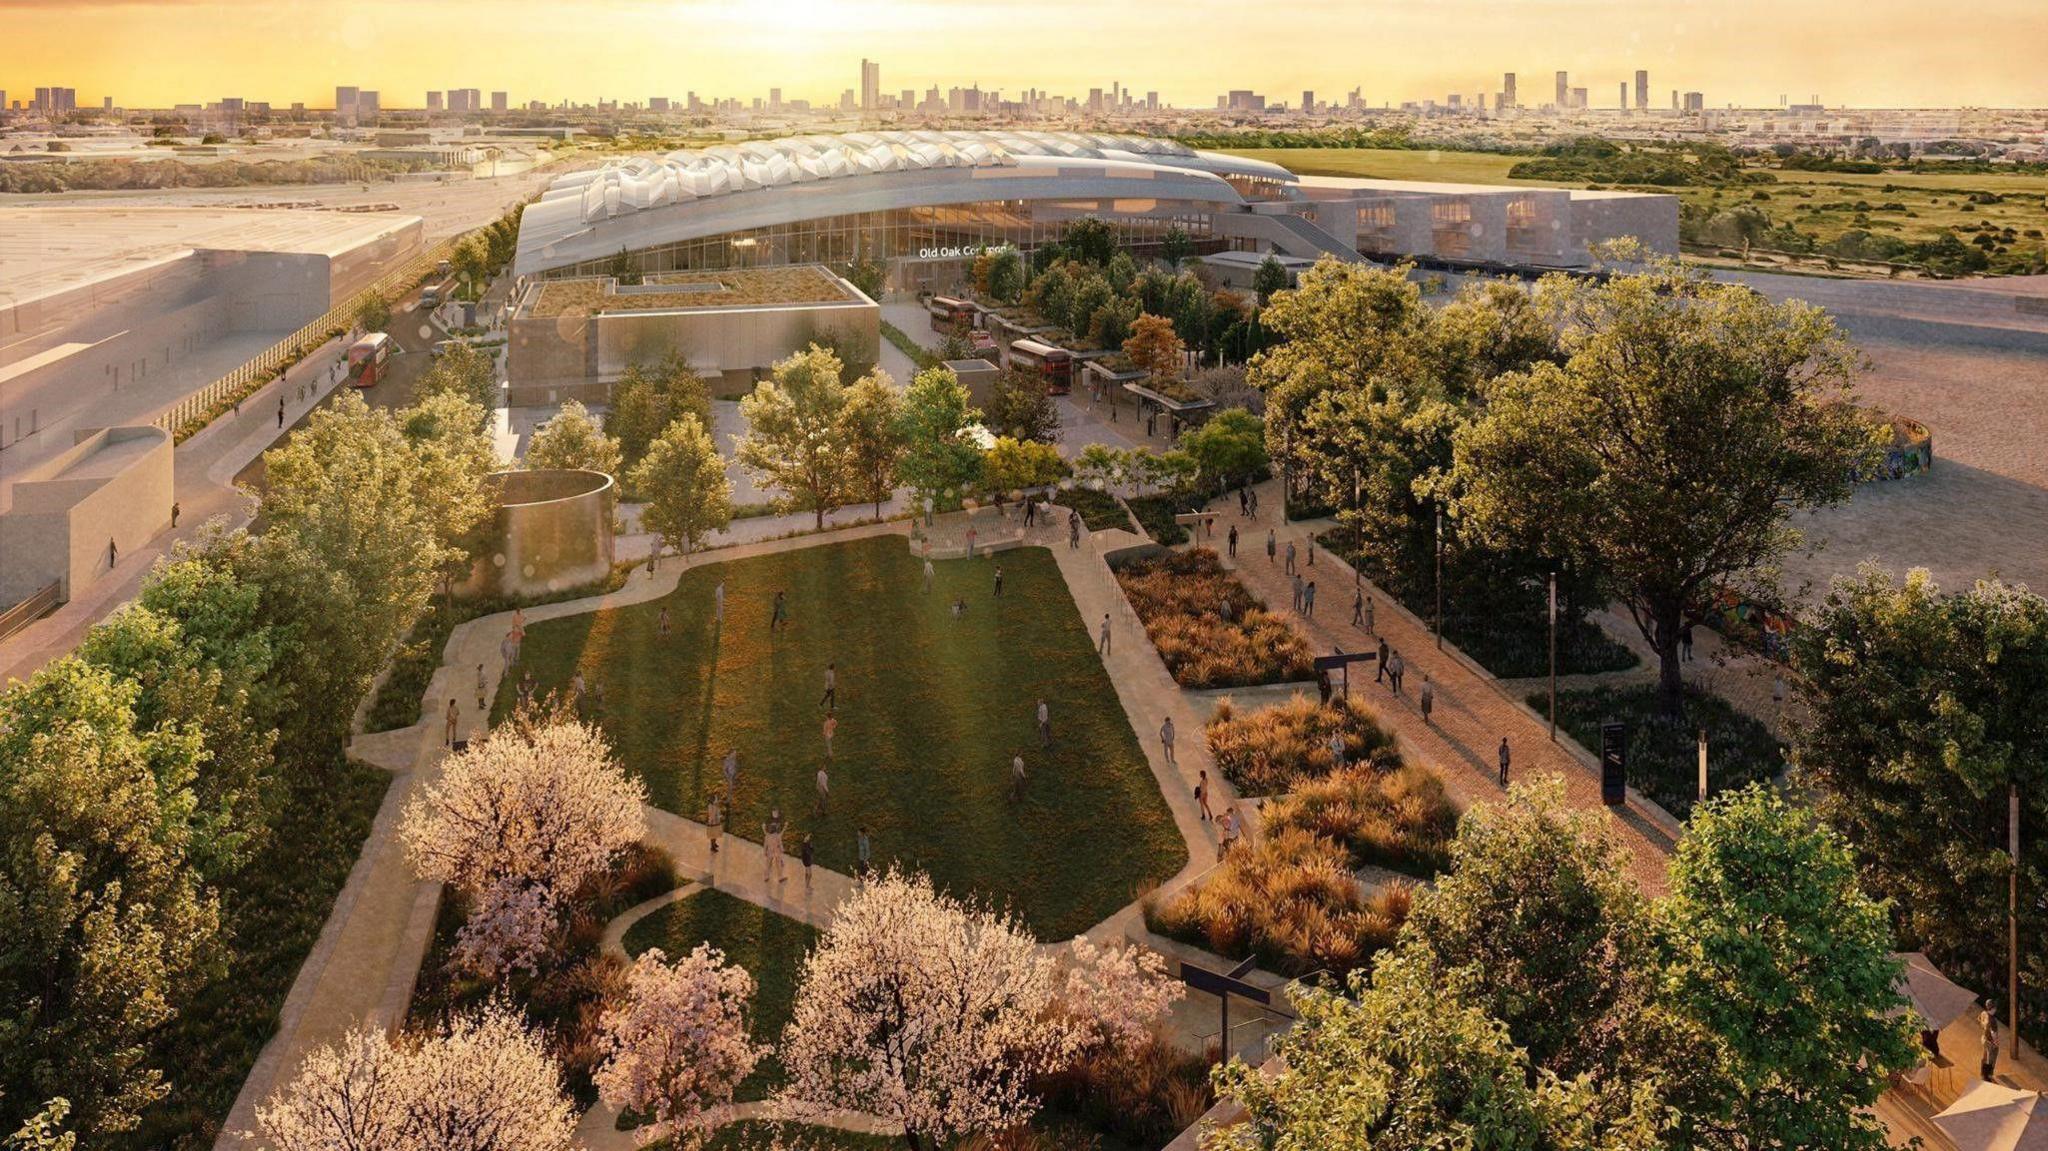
[[694, 291], [45, 250]]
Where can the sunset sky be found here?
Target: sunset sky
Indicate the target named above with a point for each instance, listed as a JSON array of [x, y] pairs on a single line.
[[1858, 52]]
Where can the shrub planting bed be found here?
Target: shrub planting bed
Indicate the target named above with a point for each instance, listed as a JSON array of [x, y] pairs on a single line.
[[1155, 514], [1183, 598], [1268, 751], [1099, 510], [1663, 755], [1399, 819]]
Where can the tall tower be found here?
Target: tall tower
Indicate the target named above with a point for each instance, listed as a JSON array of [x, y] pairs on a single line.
[[1507, 91], [1564, 90], [1642, 90], [870, 85]]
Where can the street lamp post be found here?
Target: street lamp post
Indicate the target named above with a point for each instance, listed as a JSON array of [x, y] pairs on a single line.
[[2012, 915], [1439, 577], [1703, 765], [1553, 655]]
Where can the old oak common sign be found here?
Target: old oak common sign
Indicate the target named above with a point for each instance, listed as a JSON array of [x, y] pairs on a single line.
[[961, 252]]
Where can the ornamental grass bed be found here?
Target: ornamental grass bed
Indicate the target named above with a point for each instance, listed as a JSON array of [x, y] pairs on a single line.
[[1211, 631], [1269, 751]]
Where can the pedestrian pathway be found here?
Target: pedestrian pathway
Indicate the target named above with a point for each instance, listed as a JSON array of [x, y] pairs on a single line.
[[1472, 711]]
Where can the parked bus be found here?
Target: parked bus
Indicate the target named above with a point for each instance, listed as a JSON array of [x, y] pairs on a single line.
[[1056, 365], [366, 359], [951, 316]]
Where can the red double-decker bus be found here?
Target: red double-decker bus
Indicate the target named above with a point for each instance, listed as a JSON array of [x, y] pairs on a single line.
[[366, 359]]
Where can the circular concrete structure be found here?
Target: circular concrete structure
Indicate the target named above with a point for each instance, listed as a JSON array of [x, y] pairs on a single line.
[[552, 533]]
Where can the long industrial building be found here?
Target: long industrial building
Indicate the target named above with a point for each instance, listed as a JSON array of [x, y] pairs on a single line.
[[924, 203]]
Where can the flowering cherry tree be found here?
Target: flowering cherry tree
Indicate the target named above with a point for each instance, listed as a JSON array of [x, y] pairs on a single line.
[[925, 1010], [1116, 995], [516, 822], [486, 1083], [676, 1046], [508, 929]]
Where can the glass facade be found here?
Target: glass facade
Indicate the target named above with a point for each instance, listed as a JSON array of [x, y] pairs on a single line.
[[942, 233]]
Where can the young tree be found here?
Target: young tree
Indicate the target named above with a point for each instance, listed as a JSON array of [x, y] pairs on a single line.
[[1090, 241], [792, 440], [373, 314], [537, 808], [1005, 275], [925, 1011], [677, 1046], [1100, 466], [871, 424], [469, 372], [1175, 246], [683, 479], [1781, 969], [1116, 995], [1409, 1063], [1922, 716], [940, 458], [1020, 405], [486, 1083], [1689, 420], [650, 397], [1270, 277], [1229, 446], [572, 439], [1011, 465], [471, 261], [104, 917], [1154, 347], [453, 456]]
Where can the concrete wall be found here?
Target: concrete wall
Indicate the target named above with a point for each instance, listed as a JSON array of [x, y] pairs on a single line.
[[114, 483], [553, 532], [1651, 219]]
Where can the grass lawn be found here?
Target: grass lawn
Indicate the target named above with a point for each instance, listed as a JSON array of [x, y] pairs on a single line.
[[1663, 757], [770, 946], [1393, 164], [271, 912], [931, 708]]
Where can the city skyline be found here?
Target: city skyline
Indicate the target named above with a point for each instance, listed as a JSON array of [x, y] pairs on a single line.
[[1893, 56]]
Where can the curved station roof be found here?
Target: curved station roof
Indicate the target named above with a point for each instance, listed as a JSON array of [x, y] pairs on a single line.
[[645, 201]]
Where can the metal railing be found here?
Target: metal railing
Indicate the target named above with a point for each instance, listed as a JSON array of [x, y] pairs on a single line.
[[189, 415], [31, 609]]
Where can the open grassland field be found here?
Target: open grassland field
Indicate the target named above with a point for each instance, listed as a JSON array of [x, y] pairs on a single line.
[[931, 708], [1911, 207]]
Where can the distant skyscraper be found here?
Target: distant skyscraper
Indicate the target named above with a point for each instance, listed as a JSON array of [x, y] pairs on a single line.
[[1308, 100], [1624, 96], [434, 102], [1564, 90], [870, 85], [1507, 91], [106, 102], [1695, 102], [1578, 98], [1642, 90], [499, 102], [367, 105]]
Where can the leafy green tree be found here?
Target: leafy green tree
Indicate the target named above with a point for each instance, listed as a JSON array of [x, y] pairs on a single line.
[[1176, 245], [1090, 241], [1021, 406], [572, 439], [872, 426], [465, 371], [1100, 465], [373, 314], [1012, 464], [104, 918], [623, 268], [1922, 711], [1155, 347], [1230, 445], [44, 1131], [940, 458], [1005, 275], [792, 440], [471, 261], [1268, 278], [867, 275], [1781, 969], [688, 493], [453, 455], [648, 398], [1688, 422], [1408, 1062], [1110, 324]]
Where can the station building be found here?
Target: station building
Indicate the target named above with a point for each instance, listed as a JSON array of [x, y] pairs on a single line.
[[924, 203]]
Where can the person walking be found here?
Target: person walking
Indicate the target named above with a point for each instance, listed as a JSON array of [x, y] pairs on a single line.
[[1244, 501], [481, 681], [1989, 1038], [175, 509], [714, 822], [454, 720], [929, 572], [1379, 666], [830, 700], [1227, 826], [1255, 501], [732, 773], [805, 855], [927, 511], [1290, 557], [1202, 795], [1233, 541], [1311, 545], [1369, 629], [661, 622], [1504, 761], [1166, 740], [831, 728], [1323, 686], [1396, 668], [1073, 529], [771, 846], [999, 581], [1685, 643], [778, 618], [1102, 642], [718, 601], [1357, 609], [972, 535], [1298, 585], [863, 861], [1308, 599], [280, 409], [113, 553], [1271, 543], [1044, 725], [1428, 698], [1017, 778]]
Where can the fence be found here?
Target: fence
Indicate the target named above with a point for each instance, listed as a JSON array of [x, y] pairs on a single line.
[[186, 417]]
